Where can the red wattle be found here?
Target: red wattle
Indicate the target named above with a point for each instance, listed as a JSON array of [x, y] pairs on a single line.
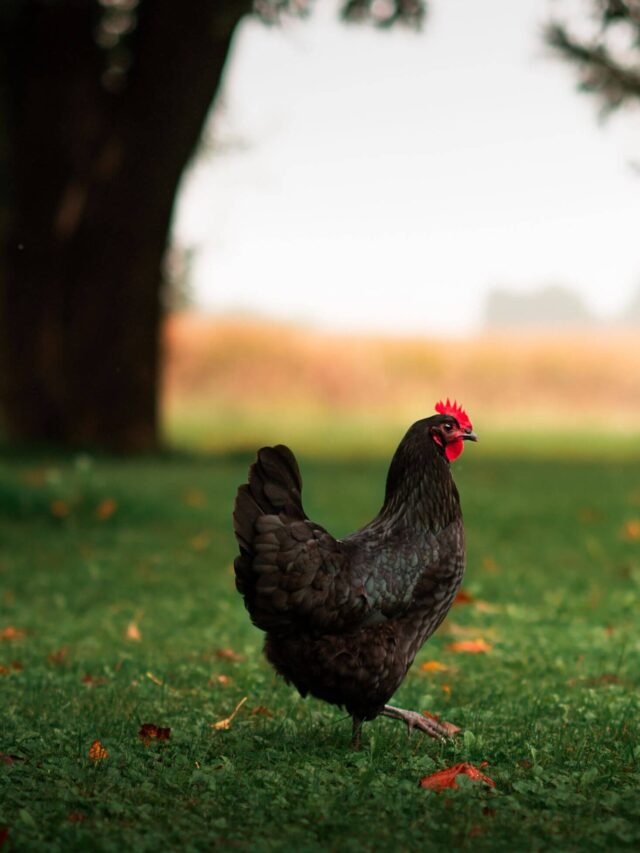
[[454, 449]]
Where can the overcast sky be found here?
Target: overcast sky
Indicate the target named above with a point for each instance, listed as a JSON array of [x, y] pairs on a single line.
[[387, 180]]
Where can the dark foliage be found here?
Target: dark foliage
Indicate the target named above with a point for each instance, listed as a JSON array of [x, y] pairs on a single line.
[[608, 55]]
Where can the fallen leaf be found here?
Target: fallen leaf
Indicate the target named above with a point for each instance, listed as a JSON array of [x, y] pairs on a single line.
[[587, 515], [200, 542], [97, 752], [12, 633], [59, 656], [93, 681], [261, 711], [76, 817], [226, 723], [195, 498], [106, 509], [229, 654], [59, 509], [463, 597], [222, 680], [4, 835], [631, 529], [450, 728], [14, 666], [447, 778], [446, 688], [433, 666], [473, 647], [490, 565], [133, 632], [149, 732], [5, 758]]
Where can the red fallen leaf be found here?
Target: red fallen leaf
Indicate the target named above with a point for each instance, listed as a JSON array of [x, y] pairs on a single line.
[[149, 732], [4, 835], [450, 728], [447, 778], [229, 654], [5, 758], [12, 633], [473, 647], [97, 752], [106, 509], [59, 656], [463, 597], [92, 682], [76, 817], [14, 666]]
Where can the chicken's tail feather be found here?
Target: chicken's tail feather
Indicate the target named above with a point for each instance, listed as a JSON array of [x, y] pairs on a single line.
[[274, 488]]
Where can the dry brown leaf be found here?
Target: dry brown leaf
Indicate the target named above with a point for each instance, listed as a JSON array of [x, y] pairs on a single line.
[[261, 711], [229, 654], [59, 656], [59, 509], [12, 633], [133, 632], [76, 817], [195, 498], [14, 666], [474, 647], [223, 725], [106, 509], [490, 565], [91, 681], [447, 778], [97, 752], [631, 530], [433, 666], [200, 542], [149, 732]]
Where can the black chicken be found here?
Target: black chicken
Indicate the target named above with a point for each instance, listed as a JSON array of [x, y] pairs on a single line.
[[345, 618]]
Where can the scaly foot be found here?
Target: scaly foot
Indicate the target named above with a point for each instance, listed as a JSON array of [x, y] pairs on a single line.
[[415, 720]]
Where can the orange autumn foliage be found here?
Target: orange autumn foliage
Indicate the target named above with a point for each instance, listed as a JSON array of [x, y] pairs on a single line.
[[447, 778], [97, 752], [473, 647]]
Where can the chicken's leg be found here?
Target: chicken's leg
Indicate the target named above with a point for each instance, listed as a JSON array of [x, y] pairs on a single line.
[[415, 720]]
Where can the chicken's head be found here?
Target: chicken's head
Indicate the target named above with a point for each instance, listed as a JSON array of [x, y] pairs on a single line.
[[451, 429]]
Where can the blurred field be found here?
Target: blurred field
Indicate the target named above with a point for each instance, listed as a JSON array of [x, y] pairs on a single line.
[[241, 382]]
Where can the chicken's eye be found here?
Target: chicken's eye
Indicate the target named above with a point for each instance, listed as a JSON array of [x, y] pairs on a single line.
[[448, 427]]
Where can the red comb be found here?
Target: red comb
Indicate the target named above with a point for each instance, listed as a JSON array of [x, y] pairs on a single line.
[[456, 411]]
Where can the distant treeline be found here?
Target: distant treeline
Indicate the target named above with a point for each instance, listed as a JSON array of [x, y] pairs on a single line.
[[552, 307]]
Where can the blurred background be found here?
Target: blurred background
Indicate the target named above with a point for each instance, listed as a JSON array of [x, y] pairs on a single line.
[[253, 223]]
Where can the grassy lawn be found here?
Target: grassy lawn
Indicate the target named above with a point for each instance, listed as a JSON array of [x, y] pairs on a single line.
[[118, 609]]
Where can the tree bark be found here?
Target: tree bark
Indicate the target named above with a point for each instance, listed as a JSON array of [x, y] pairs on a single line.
[[93, 177]]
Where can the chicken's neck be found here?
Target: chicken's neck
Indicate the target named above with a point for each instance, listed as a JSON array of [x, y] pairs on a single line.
[[420, 490]]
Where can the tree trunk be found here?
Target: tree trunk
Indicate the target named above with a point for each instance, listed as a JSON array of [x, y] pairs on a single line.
[[93, 176]]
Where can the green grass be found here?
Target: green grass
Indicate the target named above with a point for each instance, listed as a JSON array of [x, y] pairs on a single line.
[[553, 708]]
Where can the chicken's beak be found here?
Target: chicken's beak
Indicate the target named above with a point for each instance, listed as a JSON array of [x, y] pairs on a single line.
[[469, 436]]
